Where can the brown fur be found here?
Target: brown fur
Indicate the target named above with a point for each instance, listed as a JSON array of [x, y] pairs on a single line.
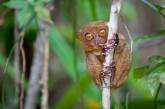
[[94, 57]]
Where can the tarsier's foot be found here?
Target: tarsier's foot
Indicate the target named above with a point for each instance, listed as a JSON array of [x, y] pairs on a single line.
[[108, 73]]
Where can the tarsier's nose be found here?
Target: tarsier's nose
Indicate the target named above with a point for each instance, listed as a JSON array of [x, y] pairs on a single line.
[[99, 41]]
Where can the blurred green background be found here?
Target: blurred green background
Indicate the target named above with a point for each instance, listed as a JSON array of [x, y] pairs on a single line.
[[70, 86]]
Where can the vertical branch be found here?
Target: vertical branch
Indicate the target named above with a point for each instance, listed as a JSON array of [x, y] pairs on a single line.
[[109, 46], [44, 78], [39, 68], [36, 68]]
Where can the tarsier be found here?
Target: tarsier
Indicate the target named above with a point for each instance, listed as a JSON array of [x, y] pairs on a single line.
[[93, 36]]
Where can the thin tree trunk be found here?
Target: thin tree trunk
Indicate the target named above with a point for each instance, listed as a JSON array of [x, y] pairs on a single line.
[[37, 67], [113, 27]]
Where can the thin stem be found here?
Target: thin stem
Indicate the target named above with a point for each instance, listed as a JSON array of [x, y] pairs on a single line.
[[23, 74], [156, 96], [16, 59]]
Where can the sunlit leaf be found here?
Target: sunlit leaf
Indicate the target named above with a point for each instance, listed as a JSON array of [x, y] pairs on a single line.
[[153, 73], [153, 82], [162, 78], [156, 77]]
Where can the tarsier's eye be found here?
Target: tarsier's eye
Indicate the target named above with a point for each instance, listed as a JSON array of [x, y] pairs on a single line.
[[102, 32], [88, 36]]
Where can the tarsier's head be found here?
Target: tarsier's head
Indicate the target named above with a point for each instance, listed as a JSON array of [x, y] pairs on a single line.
[[92, 35]]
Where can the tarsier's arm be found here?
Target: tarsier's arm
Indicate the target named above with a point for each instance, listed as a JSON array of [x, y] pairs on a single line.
[[121, 60], [94, 67]]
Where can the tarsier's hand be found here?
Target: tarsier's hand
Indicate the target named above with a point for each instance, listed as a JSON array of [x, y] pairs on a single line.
[[92, 36]]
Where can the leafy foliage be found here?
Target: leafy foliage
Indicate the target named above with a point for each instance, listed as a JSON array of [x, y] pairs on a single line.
[[154, 73], [28, 10]]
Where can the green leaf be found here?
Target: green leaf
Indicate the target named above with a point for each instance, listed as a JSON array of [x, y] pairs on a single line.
[[153, 82], [156, 59], [23, 16], [156, 64], [17, 4], [152, 36], [141, 71], [43, 13], [154, 73], [162, 78], [156, 76]]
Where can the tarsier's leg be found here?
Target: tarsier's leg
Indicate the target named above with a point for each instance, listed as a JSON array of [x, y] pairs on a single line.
[[94, 67], [122, 60]]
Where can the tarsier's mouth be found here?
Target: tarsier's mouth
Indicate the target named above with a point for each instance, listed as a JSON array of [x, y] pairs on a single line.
[[95, 50]]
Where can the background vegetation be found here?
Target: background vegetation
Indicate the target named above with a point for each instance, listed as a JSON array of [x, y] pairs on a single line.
[[70, 86]]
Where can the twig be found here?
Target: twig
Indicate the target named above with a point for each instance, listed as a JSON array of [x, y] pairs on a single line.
[[19, 79], [22, 75], [20, 36], [113, 26], [17, 61]]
